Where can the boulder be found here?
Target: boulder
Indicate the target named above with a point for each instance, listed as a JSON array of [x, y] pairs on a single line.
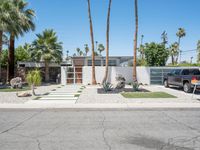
[[16, 83], [121, 81], [23, 94]]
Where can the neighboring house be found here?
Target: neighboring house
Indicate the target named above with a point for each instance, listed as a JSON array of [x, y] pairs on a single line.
[[24, 67]]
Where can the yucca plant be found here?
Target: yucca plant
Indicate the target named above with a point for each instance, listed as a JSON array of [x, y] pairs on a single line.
[[107, 86], [34, 79]]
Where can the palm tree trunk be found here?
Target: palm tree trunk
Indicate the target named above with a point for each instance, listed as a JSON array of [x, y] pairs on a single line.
[[1, 47], [179, 42], [135, 43], [1, 42], [11, 57], [94, 82], [33, 89], [46, 71], [172, 59], [107, 42]]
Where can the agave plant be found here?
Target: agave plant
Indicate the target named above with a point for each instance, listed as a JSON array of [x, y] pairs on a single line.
[[135, 86], [107, 86]]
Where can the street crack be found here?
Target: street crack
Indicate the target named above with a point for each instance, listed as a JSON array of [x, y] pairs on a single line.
[[179, 122], [103, 133], [39, 147], [22, 122]]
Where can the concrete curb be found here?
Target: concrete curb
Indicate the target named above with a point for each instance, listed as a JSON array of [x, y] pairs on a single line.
[[53, 104]]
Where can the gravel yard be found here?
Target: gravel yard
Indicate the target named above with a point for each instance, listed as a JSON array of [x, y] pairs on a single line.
[[91, 95], [10, 97]]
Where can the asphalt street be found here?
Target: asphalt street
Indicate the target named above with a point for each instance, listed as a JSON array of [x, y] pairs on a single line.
[[78, 129]]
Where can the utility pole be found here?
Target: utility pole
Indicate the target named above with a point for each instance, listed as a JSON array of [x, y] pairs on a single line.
[[96, 45], [141, 46], [67, 53], [142, 37]]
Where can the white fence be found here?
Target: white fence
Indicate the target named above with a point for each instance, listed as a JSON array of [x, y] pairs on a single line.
[[143, 74]]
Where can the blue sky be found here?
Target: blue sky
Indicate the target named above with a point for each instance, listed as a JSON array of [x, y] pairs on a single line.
[[69, 19]]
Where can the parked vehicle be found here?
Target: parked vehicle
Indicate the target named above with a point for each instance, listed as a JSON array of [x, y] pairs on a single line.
[[182, 78]]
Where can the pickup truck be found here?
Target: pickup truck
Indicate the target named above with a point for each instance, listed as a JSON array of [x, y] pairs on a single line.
[[182, 78]]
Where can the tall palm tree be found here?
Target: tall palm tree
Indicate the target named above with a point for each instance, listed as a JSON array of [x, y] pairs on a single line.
[[107, 42], [4, 17], [135, 43], [180, 34], [22, 22], [94, 82], [5, 9], [86, 49], [47, 48]]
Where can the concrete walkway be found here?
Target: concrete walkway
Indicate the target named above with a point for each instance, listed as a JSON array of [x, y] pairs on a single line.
[[68, 94]]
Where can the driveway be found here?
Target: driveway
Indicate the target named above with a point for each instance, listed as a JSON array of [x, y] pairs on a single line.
[[65, 129]]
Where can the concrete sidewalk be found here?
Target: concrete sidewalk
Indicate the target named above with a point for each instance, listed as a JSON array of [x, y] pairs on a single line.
[[64, 104]]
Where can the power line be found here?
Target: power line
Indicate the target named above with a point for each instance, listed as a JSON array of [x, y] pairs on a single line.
[[191, 50]]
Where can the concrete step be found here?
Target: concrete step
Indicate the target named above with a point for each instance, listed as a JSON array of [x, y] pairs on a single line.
[[44, 101], [61, 95], [58, 98]]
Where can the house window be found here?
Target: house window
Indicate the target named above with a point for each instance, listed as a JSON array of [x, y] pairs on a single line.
[[97, 63], [111, 63]]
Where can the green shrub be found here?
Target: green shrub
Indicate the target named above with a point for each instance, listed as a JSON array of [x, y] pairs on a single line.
[[34, 79]]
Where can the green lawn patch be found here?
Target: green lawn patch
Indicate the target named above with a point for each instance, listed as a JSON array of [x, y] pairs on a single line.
[[147, 95], [14, 90], [37, 98], [46, 93], [77, 95]]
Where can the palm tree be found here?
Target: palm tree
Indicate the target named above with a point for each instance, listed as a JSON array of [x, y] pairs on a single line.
[[47, 48], [81, 53], [22, 22], [141, 49], [101, 48], [174, 52], [135, 43], [94, 82], [164, 38], [78, 51], [107, 42], [4, 20], [5, 11], [180, 34], [86, 49]]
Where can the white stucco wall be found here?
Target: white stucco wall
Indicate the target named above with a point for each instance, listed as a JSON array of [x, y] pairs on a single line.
[[143, 74], [63, 75]]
